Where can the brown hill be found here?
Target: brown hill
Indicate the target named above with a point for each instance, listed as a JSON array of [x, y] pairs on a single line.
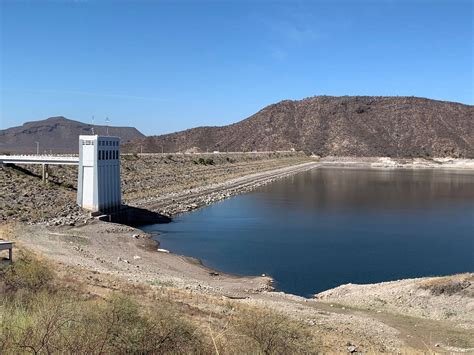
[[56, 134], [340, 126]]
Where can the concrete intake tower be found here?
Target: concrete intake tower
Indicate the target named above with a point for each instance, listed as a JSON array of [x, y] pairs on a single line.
[[98, 185]]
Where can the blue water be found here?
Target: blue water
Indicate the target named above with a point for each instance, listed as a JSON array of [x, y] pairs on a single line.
[[330, 226]]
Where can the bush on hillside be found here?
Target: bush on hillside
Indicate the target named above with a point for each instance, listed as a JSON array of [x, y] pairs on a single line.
[[27, 274], [59, 321], [39, 315], [269, 332]]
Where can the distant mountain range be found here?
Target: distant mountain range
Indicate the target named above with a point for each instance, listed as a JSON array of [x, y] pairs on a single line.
[[323, 125], [339, 126], [56, 135]]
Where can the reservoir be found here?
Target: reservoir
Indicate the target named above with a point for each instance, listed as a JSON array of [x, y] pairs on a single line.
[[330, 226]]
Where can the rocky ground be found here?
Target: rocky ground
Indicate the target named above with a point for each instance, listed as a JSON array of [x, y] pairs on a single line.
[[436, 298], [23, 197]]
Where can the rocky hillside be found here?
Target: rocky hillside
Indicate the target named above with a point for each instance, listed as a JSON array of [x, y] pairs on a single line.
[[56, 134], [339, 126]]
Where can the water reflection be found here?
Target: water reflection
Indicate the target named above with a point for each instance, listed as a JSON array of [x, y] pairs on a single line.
[[331, 188], [326, 227]]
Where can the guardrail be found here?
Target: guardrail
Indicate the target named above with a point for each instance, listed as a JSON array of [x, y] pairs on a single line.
[[40, 159]]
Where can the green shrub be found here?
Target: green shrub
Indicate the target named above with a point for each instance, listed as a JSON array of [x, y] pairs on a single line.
[[67, 185], [207, 161], [162, 331], [27, 273]]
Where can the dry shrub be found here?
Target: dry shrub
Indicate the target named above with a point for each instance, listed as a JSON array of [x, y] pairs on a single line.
[[162, 330], [61, 324], [449, 285], [51, 320], [265, 331], [37, 315], [28, 274]]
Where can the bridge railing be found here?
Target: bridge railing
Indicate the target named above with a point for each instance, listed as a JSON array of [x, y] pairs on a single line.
[[39, 159]]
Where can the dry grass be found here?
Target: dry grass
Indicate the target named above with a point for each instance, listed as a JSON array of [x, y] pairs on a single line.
[[43, 312], [448, 285]]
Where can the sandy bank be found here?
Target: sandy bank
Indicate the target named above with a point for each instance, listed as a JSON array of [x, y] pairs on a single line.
[[112, 248], [128, 253]]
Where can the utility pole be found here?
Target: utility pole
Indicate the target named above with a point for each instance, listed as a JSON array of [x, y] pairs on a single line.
[[107, 124], [37, 147], [141, 149]]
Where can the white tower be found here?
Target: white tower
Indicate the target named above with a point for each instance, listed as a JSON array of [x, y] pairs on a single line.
[[98, 187]]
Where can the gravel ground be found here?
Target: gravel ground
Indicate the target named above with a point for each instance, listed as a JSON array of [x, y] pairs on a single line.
[[437, 298]]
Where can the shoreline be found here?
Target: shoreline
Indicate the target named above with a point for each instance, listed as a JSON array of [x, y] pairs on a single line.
[[174, 204], [188, 200], [376, 163], [393, 315], [400, 163]]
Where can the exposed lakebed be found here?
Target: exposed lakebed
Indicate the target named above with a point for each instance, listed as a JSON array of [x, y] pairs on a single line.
[[330, 226]]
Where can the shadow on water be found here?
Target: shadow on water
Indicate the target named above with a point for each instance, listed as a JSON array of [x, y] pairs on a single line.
[[135, 217]]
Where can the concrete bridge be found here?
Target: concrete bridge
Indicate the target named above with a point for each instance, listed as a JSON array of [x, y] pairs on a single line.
[[43, 160], [40, 159], [98, 183]]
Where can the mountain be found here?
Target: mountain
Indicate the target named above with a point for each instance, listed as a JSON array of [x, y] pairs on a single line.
[[56, 134], [339, 126]]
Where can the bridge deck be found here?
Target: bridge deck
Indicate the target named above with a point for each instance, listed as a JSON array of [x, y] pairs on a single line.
[[39, 159]]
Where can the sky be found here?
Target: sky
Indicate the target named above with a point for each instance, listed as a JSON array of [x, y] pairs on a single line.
[[164, 66]]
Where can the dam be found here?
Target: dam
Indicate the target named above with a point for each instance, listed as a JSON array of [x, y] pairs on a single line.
[[98, 178]]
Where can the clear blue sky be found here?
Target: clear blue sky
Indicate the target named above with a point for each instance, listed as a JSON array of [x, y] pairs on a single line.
[[163, 66]]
